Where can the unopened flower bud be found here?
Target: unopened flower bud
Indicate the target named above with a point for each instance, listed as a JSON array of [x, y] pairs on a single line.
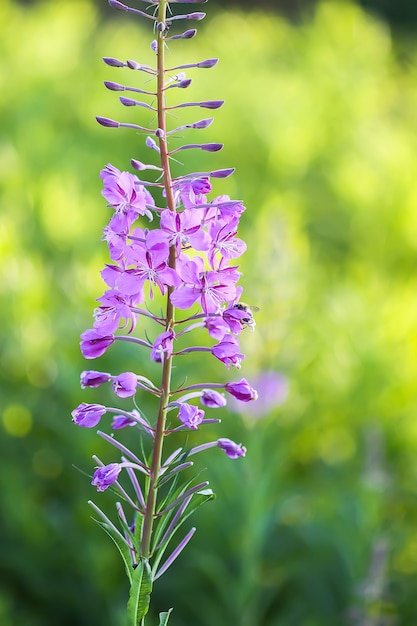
[[114, 86], [92, 378], [106, 476], [125, 384], [106, 121], [113, 62], [188, 34], [232, 449], [242, 390], [212, 399], [88, 415]]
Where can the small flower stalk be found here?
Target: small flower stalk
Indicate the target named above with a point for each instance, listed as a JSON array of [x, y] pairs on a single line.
[[166, 235]]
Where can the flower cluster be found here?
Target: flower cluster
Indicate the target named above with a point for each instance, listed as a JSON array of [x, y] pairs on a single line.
[[185, 250], [202, 235]]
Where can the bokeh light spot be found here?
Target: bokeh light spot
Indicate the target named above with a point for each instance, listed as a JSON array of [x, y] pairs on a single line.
[[17, 420]]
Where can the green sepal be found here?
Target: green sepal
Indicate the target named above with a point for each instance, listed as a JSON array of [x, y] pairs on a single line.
[[140, 592], [121, 546], [164, 617]]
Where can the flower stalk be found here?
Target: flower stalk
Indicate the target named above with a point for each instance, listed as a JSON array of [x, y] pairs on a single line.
[[167, 365], [189, 256]]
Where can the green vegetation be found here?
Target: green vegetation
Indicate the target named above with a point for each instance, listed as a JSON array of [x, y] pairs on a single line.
[[319, 522]]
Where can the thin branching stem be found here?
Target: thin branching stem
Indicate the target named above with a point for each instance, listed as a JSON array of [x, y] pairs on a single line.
[[169, 319]]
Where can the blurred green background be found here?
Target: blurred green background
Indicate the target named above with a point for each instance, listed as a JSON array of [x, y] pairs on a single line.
[[318, 525]]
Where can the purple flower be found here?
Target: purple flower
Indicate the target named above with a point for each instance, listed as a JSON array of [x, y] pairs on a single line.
[[125, 194], [190, 415], [227, 351], [162, 346], [116, 238], [212, 399], [232, 449], [121, 421], [192, 192], [223, 240], [149, 262], [184, 229], [223, 208], [88, 415], [92, 378], [106, 476], [125, 384], [238, 317], [211, 288], [273, 391], [216, 327], [114, 308], [94, 343], [242, 391]]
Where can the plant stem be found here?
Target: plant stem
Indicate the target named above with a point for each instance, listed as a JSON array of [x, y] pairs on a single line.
[[169, 319]]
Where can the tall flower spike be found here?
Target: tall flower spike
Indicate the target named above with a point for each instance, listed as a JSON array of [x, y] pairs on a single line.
[[185, 249]]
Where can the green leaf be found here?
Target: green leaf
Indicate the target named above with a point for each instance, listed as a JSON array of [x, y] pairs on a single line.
[[199, 498], [121, 546], [140, 592], [163, 618]]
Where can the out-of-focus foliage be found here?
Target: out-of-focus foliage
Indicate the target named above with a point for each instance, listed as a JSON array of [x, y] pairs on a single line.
[[317, 526]]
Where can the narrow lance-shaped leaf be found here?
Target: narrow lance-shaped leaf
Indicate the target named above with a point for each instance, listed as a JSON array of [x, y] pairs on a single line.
[[164, 617], [140, 592], [121, 545]]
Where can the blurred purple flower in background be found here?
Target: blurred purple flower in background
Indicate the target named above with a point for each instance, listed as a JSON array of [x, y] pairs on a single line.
[[273, 390]]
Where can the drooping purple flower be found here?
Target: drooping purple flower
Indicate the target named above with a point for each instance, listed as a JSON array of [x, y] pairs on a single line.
[[190, 415], [191, 193], [88, 415], [115, 307], [212, 399], [105, 476], [162, 346], [232, 449], [125, 194], [227, 351], [91, 378], [121, 421], [95, 343], [125, 384], [242, 390]]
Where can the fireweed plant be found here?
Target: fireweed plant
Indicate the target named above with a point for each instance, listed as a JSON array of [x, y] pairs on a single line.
[[186, 249]]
